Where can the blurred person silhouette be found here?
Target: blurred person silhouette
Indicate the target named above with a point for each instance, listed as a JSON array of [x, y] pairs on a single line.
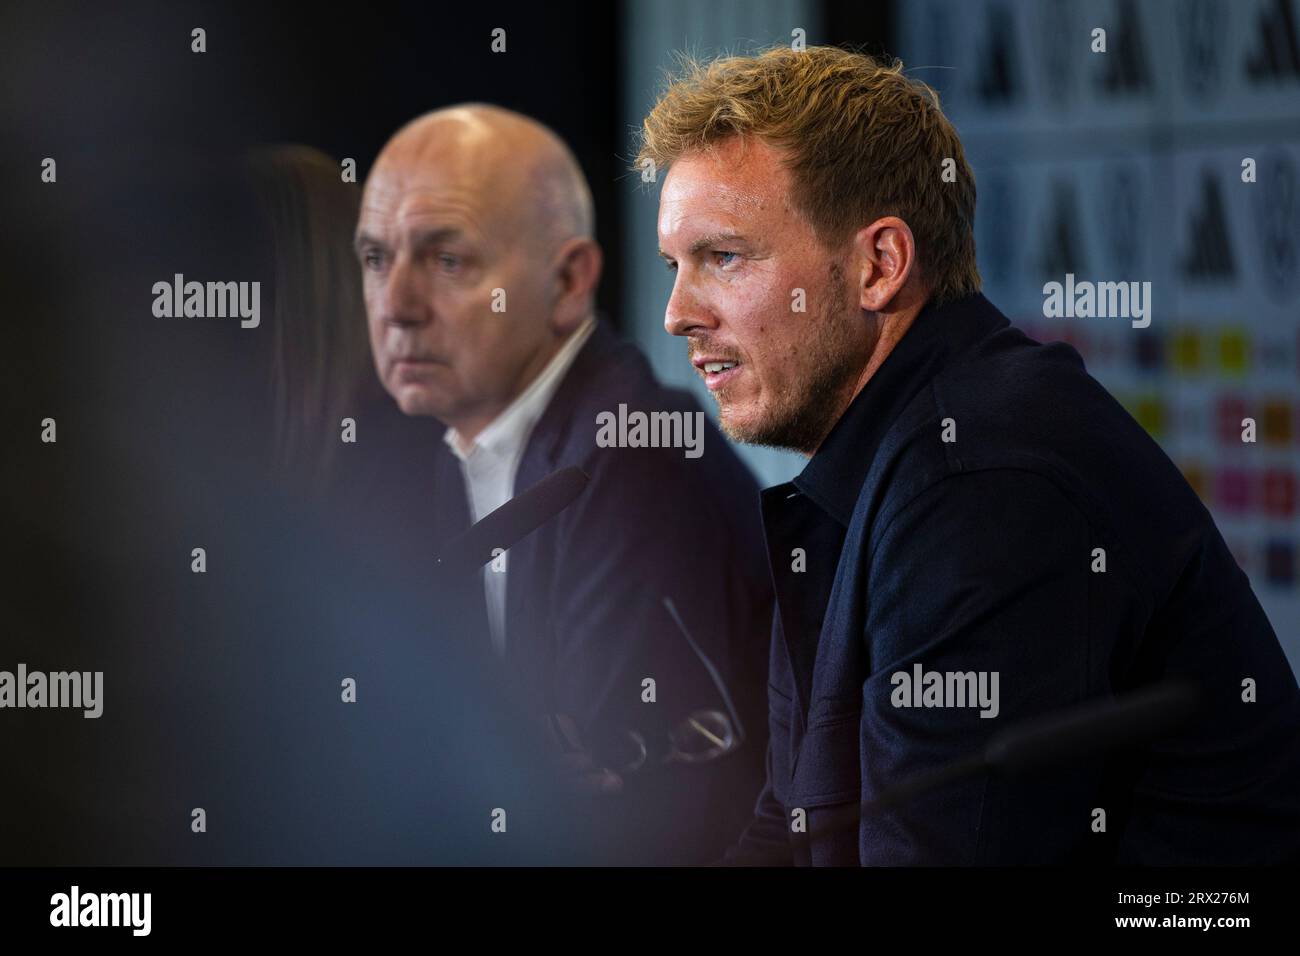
[[321, 371], [320, 359]]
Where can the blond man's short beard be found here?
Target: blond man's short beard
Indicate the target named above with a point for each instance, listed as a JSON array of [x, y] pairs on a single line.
[[801, 416]]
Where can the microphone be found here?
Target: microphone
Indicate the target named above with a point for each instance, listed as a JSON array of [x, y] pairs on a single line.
[[516, 519]]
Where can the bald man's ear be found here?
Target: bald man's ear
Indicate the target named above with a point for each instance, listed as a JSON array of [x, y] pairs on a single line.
[[577, 273], [885, 252]]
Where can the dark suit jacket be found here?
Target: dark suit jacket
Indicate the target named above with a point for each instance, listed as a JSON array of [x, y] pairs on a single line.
[[585, 623], [978, 554]]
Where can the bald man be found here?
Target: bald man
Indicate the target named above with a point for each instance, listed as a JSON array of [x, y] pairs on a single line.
[[476, 241]]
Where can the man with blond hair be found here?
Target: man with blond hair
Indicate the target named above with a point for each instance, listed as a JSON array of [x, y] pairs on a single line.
[[981, 537]]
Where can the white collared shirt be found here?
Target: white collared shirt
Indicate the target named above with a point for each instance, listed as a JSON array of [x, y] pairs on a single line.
[[491, 460]]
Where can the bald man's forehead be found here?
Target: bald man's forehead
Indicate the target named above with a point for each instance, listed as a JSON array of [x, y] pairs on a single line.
[[391, 216], [508, 172], [470, 124], [441, 154], [473, 142], [432, 180]]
